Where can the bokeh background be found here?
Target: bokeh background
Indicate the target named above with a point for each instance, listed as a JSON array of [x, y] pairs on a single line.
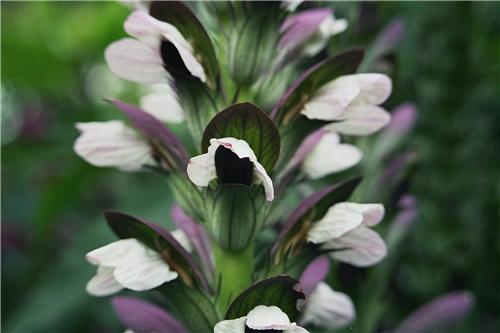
[[447, 63]]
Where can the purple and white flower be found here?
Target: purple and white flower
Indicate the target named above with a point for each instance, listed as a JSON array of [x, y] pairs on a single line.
[[261, 317], [127, 263], [345, 229], [328, 308], [145, 58], [309, 31], [352, 102], [113, 144], [329, 155], [324, 307], [231, 161]]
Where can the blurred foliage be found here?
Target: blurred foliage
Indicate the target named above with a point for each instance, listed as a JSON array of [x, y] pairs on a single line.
[[53, 76]]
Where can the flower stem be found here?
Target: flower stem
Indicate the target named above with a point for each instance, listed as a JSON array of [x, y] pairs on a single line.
[[235, 272]]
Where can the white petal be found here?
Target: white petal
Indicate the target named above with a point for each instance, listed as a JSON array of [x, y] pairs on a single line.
[[112, 144], [201, 168], [291, 5], [183, 239], [150, 30], [103, 283], [231, 326], [144, 27], [264, 317], [144, 273], [359, 247], [332, 26], [293, 328], [327, 308], [116, 253], [261, 176], [338, 220], [372, 213], [136, 61], [331, 100], [163, 104], [328, 156], [239, 147], [360, 119], [375, 88]]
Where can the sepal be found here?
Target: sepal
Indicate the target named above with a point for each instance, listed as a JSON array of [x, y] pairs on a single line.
[[233, 216], [245, 121], [282, 291], [253, 42]]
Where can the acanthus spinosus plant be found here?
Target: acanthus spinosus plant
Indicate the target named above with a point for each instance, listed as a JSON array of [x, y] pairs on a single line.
[[216, 272]]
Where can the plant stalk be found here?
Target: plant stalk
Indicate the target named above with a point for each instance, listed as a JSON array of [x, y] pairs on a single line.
[[234, 270]]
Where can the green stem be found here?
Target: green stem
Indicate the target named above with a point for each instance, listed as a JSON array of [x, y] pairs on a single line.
[[235, 270]]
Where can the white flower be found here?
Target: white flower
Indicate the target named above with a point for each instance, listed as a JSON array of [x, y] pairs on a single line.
[[327, 308], [329, 27], [329, 156], [143, 59], [261, 317], [307, 32], [127, 263], [112, 144], [291, 5], [163, 103], [239, 166], [345, 229], [351, 102]]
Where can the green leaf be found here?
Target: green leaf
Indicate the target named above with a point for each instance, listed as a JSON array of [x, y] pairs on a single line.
[[247, 122], [303, 89], [233, 217], [253, 42], [199, 103], [281, 291], [179, 15], [194, 308]]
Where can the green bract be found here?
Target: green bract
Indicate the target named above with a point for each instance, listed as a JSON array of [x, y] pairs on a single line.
[[253, 42], [247, 122], [233, 216], [281, 291]]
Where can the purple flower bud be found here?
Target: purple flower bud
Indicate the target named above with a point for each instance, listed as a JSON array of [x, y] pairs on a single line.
[[388, 38], [142, 317], [296, 29], [440, 313], [403, 119], [314, 273], [394, 167], [196, 235]]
